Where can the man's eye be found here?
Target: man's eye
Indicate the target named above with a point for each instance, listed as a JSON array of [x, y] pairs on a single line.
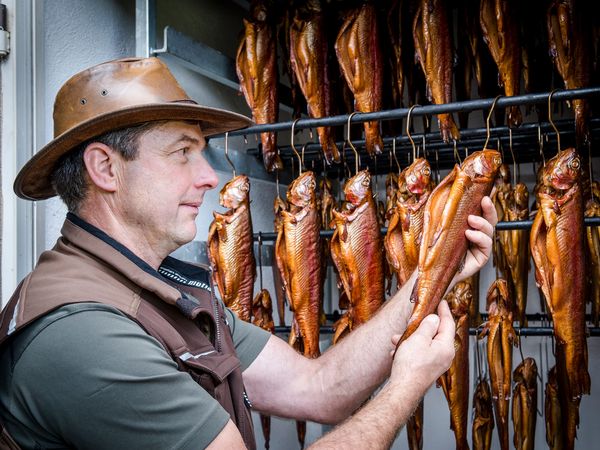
[[184, 151]]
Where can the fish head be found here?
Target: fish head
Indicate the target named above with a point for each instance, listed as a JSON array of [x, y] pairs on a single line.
[[358, 187], [418, 176], [460, 301], [235, 192], [498, 298], [521, 196], [563, 171], [526, 371], [482, 165], [596, 189], [302, 191]]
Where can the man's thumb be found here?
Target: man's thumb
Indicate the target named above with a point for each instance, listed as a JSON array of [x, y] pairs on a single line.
[[429, 326]]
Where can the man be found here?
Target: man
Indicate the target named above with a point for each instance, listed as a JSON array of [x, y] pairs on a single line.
[[111, 343]]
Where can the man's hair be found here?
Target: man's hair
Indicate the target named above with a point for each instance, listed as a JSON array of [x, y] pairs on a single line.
[[69, 176]]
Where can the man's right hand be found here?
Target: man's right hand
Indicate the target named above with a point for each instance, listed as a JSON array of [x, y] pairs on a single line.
[[426, 354]]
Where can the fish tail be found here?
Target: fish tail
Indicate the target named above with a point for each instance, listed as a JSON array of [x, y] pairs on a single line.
[[328, 145], [271, 158], [374, 143]]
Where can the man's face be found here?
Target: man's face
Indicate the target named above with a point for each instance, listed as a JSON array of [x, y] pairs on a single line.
[[161, 190]]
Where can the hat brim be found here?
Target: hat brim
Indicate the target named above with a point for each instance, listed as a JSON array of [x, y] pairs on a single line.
[[33, 181]]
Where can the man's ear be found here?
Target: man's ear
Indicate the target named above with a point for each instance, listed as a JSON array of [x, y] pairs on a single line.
[[101, 163]]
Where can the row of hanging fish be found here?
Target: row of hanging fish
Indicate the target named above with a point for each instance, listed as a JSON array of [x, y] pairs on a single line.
[[366, 49]]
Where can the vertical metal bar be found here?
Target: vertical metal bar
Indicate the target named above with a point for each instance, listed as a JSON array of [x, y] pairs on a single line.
[[145, 27]]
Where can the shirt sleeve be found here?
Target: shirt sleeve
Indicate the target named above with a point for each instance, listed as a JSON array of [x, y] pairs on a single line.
[[95, 379], [249, 340]]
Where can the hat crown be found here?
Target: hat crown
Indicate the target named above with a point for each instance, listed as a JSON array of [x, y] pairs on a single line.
[[112, 86]]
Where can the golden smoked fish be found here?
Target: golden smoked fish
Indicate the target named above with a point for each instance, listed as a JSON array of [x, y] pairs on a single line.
[[357, 252], [433, 45], [570, 47], [298, 255], [516, 250], [256, 67], [483, 417], [501, 33], [278, 206], [592, 209], [558, 249], [230, 248], [552, 413], [524, 407], [308, 53], [414, 429], [500, 339], [455, 382], [444, 244], [359, 55], [500, 200], [405, 229], [262, 316]]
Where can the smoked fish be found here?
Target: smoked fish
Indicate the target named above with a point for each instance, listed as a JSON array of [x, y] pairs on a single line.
[[569, 35], [256, 67], [553, 414], [558, 249], [500, 201], [405, 228], [433, 45], [524, 407], [516, 250], [357, 252], [501, 337], [455, 382], [278, 206], [483, 417], [501, 34], [230, 248], [262, 316], [592, 209], [414, 429], [444, 245], [359, 55], [298, 256], [308, 53]]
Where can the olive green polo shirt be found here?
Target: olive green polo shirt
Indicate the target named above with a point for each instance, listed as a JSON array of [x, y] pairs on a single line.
[[87, 376]]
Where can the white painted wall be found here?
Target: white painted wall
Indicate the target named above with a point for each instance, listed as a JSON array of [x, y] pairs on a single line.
[[74, 34]]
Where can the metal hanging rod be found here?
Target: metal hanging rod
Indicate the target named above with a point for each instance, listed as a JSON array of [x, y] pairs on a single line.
[[466, 106], [468, 137], [516, 225], [521, 331]]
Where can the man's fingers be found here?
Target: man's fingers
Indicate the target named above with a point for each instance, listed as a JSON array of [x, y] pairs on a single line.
[[480, 224], [428, 327], [489, 211], [447, 328]]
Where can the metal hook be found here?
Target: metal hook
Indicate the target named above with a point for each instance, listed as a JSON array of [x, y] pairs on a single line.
[[410, 110], [260, 262], [520, 345], [302, 152], [456, 154], [487, 121], [294, 148], [550, 118], [437, 167], [357, 160], [395, 158], [424, 148], [510, 147], [277, 181], [227, 153]]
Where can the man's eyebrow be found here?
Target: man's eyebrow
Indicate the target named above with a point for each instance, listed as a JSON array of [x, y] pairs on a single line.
[[187, 138]]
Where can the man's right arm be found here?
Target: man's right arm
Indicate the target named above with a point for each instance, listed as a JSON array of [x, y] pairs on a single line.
[[420, 360]]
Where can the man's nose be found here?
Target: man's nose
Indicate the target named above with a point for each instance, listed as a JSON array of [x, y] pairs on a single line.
[[204, 175]]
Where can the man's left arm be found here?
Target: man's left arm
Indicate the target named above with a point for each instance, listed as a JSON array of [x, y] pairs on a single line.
[[328, 389]]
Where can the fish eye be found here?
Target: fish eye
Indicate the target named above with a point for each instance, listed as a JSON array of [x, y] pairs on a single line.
[[426, 171], [244, 187], [365, 182], [497, 160], [413, 178], [575, 164]]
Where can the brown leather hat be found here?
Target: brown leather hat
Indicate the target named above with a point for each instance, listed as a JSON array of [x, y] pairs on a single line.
[[110, 96]]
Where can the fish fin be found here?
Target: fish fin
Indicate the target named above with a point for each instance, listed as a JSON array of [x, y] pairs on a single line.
[[338, 259], [213, 252], [280, 258], [341, 328], [543, 270], [419, 39], [392, 251], [432, 229]]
